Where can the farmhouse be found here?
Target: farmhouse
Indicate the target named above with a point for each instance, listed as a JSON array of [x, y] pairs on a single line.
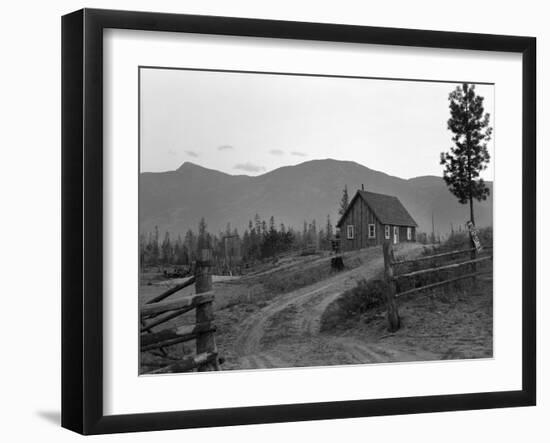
[[371, 218]]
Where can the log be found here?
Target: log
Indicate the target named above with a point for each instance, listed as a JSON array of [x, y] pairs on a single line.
[[177, 303], [181, 333], [173, 341], [170, 316], [158, 362], [204, 313], [162, 351], [441, 283], [187, 363], [442, 268], [393, 314], [171, 291], [430, 257]]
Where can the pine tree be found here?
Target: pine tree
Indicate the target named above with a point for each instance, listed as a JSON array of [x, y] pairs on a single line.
[[344, 201], [142, 250], [469, 155], [203, 241], [190, 243], [321, 239], [329, 228], [180, 252], [258, 224], [166, 249], [313, 234], [305, 234], [247, 251], [155, 247]]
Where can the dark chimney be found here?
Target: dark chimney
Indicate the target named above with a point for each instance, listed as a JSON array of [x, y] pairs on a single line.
[[362, 187]]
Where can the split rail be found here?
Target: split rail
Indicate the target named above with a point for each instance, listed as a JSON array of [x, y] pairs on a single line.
[[393, 275], [160, 310]]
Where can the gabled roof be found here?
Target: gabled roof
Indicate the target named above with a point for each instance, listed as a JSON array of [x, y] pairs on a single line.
[[387, 208]]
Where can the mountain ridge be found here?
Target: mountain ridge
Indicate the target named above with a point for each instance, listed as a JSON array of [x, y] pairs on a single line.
[[176, 200]]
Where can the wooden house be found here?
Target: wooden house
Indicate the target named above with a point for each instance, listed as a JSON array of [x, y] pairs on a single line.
[[371, 218]]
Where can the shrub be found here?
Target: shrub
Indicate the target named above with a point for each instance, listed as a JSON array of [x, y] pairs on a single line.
[[365, 296]]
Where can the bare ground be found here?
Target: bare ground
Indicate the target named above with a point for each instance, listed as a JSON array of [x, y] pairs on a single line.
[[286, 332], [262, 325]]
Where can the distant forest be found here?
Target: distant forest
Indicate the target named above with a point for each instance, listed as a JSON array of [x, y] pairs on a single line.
[[262, 239]]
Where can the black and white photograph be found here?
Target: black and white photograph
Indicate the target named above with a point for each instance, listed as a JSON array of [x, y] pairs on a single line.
[[302, 221], [294, 220]]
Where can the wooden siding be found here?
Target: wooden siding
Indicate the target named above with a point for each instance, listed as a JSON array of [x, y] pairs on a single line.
[[360, 216], [403, 234]]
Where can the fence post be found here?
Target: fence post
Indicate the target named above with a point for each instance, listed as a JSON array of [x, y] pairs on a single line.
[[393, 314], [473, 256], [473, 245], [205, 312]]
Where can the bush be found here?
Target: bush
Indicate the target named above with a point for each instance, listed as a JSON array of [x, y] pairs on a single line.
[[365, 296]]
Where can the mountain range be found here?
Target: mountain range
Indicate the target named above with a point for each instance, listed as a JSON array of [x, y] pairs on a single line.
[[176, 200]]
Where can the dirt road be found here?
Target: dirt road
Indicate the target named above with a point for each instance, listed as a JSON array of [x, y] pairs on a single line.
[[286, 332]]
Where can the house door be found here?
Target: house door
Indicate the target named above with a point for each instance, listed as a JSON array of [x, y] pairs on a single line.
[[395, 235]]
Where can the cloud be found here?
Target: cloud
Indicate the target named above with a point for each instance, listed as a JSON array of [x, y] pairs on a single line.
[[171, 152], [276, 152], [225, 147], [192, 154], [249, 167], [298, 154]]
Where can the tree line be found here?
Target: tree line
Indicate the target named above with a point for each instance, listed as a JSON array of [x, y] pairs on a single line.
[[260, 240]]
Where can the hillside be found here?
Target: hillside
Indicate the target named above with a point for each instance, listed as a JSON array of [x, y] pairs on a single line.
[[176, 200]]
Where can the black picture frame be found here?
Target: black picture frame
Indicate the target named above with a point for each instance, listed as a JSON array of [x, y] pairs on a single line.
[[82, 219]]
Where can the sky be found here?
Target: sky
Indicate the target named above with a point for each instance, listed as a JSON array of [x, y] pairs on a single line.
[[247, 123]]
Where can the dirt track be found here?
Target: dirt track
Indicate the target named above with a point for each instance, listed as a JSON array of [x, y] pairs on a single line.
[[286, 332]]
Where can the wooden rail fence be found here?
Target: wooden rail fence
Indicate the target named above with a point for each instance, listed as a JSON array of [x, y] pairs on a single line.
[[159, 310], [392, 276]]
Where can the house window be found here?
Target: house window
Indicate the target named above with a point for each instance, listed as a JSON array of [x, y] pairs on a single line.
[[351, 232], [372, 230], [387, 232], [409, 233]]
